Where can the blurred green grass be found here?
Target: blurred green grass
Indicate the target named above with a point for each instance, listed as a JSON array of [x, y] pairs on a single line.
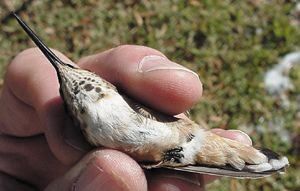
[[231, 44]]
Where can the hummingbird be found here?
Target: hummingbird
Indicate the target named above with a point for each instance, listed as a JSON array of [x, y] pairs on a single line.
[[109, 118]]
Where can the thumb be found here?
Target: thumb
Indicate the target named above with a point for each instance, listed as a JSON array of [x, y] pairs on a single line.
[[147, 75], [102, 170]]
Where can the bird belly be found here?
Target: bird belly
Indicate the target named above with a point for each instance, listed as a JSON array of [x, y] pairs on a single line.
[[113, 124]]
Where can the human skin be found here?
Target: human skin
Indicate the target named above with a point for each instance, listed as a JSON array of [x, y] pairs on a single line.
[[39, 144]]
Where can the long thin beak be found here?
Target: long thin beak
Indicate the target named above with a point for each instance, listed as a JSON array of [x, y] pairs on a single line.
[[46, 51]]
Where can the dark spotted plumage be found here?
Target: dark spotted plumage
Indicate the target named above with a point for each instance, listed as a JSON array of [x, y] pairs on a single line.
[[88, 87], [98, 89]]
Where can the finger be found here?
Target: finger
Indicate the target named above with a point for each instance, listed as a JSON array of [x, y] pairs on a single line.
[[9, 183], [163, 180], [104, 170], [166, 184], [16, 117], [237, 135], [33, 80], [147, 75], [29, 160]]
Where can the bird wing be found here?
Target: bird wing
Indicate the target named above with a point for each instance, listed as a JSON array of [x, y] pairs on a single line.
[[226, 171]]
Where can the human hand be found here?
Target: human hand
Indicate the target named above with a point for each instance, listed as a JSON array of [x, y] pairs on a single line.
[[40, 146]]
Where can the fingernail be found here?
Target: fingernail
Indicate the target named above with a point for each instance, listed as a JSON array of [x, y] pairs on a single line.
[[172, 184], [73, 136], [94, 178], [153, 63], [192, 179], [242, 136]]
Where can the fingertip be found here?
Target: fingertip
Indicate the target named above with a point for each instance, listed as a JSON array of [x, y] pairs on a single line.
[[105, 170], [123, 170], [170, 91], [164, 179], [110, 170], [234, 134], [166, 184]]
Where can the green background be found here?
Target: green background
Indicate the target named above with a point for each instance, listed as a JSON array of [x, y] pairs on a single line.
[[230, 44]]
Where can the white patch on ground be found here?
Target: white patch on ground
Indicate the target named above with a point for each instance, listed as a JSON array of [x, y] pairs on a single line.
[[277, 84], [274, 126], [277, 81]]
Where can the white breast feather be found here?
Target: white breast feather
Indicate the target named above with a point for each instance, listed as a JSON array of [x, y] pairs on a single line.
[[110, 124], [190, 149]]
